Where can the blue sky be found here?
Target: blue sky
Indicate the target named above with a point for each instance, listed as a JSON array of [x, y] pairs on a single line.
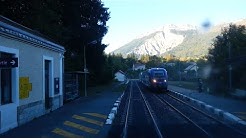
[[131, 18]]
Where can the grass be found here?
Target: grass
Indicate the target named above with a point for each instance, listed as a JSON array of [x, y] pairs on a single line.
[[113, 86], [184, 84], [99, 88], [120, 88], [117, 87]]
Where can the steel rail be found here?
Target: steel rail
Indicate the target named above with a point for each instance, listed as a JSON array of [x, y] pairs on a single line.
[[209, 116], [124, 134], [152, 117], [165, 102]]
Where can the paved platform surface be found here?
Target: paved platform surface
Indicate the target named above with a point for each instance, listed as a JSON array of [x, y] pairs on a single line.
[[231, 109], [83, 117]]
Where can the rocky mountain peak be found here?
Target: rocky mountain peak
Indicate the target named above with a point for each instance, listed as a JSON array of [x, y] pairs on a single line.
[[159, 41], [181, 40]]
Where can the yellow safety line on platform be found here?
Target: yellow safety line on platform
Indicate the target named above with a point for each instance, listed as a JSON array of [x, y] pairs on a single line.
[[80, 127], [65, 133], [88, 120], [97, 115]]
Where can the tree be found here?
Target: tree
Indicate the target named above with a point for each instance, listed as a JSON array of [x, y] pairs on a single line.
[[131, 59], [169, 57], [16, 10], [85, 21], [229, 48], [154, 61], [144, 58], [43, 16], [73, 24]]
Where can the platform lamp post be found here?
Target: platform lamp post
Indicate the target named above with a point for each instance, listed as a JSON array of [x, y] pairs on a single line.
[[179, 74], [85, 69], [228, 44]]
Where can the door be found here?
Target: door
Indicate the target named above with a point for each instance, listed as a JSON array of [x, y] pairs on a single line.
[[47, 84]]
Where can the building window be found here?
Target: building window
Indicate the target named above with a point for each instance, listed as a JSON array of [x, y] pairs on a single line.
[[5, 81]]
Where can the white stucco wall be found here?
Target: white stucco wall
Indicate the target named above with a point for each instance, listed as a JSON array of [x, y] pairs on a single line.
[[31, 65], [142, 67], [31, 50], [119, 76]]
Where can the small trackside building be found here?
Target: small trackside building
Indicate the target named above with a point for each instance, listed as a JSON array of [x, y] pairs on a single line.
[[120, 76], [31, 75]]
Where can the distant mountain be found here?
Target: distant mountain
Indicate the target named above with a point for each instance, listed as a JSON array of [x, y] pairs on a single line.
[[195, 46], [158, 42], [179, 40]]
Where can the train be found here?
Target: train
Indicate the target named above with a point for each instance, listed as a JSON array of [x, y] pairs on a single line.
[[155, 79]]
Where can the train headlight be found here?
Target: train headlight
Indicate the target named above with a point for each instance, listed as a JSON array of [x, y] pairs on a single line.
[[154, 80], [165, 80]]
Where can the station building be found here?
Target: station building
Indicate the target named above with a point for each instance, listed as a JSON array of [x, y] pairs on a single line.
[[31, 74]]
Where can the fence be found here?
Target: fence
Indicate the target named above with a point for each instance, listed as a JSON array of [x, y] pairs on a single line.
[[71, 86]]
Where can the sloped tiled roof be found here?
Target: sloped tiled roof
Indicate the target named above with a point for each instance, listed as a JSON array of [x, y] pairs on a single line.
[[11, 29]]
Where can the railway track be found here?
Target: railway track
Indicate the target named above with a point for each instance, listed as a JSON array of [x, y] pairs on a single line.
[[140, 120], [135, 118], [183, 115], [143, 113], [209, 125]]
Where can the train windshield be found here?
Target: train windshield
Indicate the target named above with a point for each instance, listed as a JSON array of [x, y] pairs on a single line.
[[159, 73]]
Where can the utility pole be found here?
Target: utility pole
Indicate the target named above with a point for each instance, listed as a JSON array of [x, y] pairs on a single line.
[[85, 70], [179, 74]]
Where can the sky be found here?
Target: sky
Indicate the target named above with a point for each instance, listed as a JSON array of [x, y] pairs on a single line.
[[131, 18]]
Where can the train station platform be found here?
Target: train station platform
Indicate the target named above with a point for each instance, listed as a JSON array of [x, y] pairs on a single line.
[[82, 117], [231, 109]]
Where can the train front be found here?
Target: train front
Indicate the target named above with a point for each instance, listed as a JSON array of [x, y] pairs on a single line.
[[159, 79]]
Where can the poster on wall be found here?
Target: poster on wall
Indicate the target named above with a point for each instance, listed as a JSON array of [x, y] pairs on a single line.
[[25, 87]]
